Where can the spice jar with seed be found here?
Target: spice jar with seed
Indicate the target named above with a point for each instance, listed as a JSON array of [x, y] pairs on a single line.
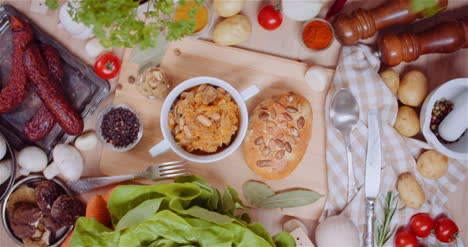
[[119, 127]]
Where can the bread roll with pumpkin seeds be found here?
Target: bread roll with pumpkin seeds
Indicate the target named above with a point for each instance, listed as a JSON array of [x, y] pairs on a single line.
[[278, 135]]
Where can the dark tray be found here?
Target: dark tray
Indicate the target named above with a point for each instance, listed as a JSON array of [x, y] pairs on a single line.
[[83, 88]]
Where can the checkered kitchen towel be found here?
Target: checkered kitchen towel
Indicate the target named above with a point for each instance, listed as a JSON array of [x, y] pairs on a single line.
[[358, 70]]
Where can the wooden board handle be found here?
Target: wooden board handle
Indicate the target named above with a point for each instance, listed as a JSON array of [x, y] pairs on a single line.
[[362, 24], [446, 37]]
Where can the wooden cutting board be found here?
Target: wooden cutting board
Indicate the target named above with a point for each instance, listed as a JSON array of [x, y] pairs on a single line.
[[241, 68]]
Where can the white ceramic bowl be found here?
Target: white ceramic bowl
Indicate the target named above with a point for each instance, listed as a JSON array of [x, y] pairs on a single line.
[[170, 143], [448, 90]]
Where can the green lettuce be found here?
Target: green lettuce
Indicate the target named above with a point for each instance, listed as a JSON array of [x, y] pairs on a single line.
[[188, 212]]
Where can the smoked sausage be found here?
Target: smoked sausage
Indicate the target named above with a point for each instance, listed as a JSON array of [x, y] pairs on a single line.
[[43, 120], [16, 90], [50, 91]]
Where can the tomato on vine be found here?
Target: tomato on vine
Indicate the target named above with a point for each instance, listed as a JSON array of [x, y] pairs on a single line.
[[421, 224], [446, 230], [405, 238]]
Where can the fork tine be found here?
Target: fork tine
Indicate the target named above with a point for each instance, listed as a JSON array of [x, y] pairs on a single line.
[[171, 163], [170, 167], [176, 175], [174, 171]]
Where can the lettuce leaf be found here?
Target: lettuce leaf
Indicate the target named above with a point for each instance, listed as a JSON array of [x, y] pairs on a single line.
[[188, 212]]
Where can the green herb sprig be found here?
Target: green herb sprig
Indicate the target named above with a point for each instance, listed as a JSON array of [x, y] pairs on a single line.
[[384, 230], [117, 24]]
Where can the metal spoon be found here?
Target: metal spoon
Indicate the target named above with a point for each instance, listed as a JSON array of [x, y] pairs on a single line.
[[344, 114]]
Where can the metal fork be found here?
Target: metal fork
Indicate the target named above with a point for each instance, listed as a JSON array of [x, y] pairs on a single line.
[[154, 172]]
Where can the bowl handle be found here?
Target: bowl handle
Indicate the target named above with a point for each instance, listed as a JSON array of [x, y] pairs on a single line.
[[160, 148], [250, 92]]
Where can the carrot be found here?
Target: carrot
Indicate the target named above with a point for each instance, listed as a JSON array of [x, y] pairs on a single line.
[[108, 193], [66, 243], [97, 209]]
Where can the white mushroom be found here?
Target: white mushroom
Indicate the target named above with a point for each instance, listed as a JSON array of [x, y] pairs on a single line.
[[318, 78], [86, 141], [68, 163], [32, 159], [3, 147], [5, 170]]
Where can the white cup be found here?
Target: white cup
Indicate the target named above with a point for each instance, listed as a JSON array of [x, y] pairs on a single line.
[[169, 141]]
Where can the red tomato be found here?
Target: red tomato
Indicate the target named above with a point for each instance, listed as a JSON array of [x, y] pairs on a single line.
[[446, 230], [421, 224], [405, 238], [270, 17], [107, 66]]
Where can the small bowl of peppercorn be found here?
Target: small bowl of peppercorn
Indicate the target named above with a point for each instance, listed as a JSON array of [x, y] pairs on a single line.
[[119, 127], [444, 119]]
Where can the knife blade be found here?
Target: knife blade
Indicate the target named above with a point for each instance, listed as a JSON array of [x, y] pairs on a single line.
[[373, 157], [372, 173]]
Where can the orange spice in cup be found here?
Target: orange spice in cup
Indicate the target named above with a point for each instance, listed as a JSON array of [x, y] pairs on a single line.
[[317, 34]]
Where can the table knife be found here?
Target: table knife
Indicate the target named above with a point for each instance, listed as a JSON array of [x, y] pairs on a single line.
[[372, 173]]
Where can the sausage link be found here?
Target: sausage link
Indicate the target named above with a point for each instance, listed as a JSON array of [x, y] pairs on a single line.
[[53, 61], [16, 90], [43, 120], [50, 91]]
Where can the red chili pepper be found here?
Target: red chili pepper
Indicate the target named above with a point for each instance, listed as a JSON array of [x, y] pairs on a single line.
[[335, 8]]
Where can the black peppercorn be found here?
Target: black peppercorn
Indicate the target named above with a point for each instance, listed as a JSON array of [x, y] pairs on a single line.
[[440, 110], [120, 127]]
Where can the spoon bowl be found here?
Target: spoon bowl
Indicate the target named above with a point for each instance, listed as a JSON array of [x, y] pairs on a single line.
[[344, 114], [344, 111]]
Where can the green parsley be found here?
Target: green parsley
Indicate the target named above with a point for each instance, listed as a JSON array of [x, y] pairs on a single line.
[[52, 4], [117, 24]]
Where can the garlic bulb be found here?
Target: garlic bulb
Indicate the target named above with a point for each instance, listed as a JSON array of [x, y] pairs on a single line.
[[77, 30], [153, 83]]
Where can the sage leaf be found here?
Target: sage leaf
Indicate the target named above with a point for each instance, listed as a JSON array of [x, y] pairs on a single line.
[[290, 199], [208, 215], [256, 192]]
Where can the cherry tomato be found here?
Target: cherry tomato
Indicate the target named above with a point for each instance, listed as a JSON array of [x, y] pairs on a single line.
[[270, 17], [446, 230], [405, 238], [107, 66], [421, 224]]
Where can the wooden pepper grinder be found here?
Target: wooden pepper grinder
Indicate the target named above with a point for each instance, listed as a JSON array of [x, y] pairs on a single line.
[[362, 24], [445, 37]]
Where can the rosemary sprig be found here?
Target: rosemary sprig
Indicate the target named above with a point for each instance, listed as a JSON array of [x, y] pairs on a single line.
[[384, 231]]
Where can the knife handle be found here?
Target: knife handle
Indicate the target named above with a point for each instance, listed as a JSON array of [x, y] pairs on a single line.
[[369, 238]]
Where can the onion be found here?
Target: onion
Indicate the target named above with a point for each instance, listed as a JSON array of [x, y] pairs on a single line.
[[301, 10]]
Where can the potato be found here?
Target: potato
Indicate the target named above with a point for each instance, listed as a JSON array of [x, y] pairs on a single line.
[[228, 8], [392, 79], [407, 121], [410, 191], [232, 31], [413, 88], [432, 164]]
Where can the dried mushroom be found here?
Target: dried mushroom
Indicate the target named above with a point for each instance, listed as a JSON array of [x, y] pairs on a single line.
[[46, 193], [67, 209], [153, 83]]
